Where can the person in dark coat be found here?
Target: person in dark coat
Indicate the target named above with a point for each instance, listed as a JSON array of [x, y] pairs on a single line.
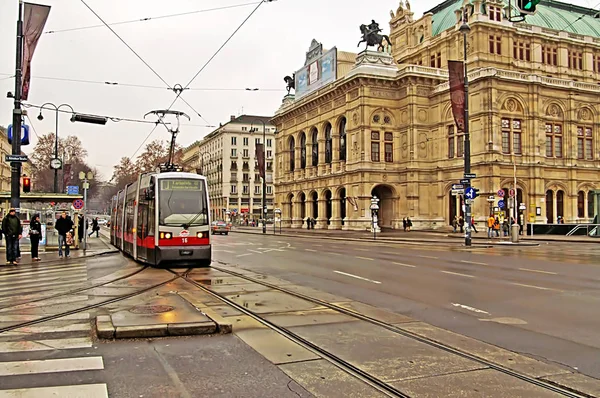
[[13, 231], [80, 223], [35, 235], [95, 227], [63, 225]]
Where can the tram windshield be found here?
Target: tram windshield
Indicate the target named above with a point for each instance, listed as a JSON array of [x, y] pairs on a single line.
[[182, 202]]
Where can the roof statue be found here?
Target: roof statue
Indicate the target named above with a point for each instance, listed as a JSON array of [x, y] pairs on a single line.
[[372, 37], [291, 82]]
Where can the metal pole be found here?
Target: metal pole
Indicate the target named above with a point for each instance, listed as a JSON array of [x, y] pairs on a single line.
[[56, 151], [514, 232], [15, 183], [467, 150], [85, 214], [264, 184]]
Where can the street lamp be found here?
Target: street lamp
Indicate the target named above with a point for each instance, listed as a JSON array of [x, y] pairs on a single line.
[[374, 209], [465, 29], [201, 156], [264, 182]]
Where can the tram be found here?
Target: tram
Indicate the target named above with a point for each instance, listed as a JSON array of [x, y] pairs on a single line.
[[163, 219]]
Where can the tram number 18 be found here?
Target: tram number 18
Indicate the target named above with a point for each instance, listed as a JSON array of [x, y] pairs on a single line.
[[184, 240]]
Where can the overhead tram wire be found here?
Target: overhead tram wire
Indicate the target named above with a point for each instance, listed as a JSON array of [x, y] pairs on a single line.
[[114, 119], [202, 68], [146, 19]]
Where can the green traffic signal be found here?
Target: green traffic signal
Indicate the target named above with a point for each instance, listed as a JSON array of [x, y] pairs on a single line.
[[530, 4]]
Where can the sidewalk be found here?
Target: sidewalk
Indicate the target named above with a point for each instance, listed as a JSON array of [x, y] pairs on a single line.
[[414, 236]]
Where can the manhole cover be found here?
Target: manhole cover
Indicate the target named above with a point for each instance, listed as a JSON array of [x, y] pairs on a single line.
[[151, 309]]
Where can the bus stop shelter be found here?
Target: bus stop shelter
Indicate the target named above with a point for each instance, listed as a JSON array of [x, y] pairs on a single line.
[[49, 206]]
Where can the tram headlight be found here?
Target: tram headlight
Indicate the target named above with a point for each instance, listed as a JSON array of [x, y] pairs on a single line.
[[201, 235], [166, 235]]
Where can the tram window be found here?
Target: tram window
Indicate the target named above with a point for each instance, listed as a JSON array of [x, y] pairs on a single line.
[[182, 201]]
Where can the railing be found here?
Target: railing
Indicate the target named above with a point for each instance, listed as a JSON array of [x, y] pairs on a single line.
[[592, 230]]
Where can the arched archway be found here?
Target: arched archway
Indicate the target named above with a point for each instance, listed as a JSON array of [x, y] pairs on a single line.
[[342, 199], [386, 213], [560, 204], [550, 206], [292, 149], [289, 207], [328, 144], [302, 198], [315, 205], [454, 208], [302, 150], [343, 139], [315, 146], [328, 206], [509, 213]]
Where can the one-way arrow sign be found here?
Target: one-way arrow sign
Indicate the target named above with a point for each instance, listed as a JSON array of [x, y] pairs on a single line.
[[15, 158]]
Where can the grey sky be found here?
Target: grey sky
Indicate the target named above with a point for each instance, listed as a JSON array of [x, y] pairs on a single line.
[[271, 45]]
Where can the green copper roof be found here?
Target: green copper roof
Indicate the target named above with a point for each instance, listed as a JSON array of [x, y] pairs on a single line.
[[550, 14]]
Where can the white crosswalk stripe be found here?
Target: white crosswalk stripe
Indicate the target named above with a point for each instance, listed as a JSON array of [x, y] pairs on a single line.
[[59, 347]]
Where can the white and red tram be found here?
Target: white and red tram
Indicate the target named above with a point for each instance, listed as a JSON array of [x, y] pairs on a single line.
[[163, 219]]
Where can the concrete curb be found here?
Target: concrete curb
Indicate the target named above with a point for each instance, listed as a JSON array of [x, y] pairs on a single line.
[[393, 240], [223, 326], [106, 330]]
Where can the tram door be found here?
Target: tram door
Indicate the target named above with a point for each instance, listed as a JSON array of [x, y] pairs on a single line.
[[142, 230]]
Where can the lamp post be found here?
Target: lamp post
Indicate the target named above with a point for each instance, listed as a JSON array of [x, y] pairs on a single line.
[[85, 177], [264, 181], [374, 209], [55, 163], [201, 156], [465, 29]]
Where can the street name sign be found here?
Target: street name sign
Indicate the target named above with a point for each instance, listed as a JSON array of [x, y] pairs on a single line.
[[465, 181], [15, 158], [458, 186], [470, 175]]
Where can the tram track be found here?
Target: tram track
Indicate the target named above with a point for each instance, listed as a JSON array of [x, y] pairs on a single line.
[[97, 305], [369, 379]]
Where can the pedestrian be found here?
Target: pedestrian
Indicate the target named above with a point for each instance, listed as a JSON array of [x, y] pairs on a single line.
[[404, 224], [63, 226], [95, 227], [35, 235], [461, 224], [13, 231], [497, 227], [454, 224], [408, 224], [490, 223], [473, 225], [80, 227]]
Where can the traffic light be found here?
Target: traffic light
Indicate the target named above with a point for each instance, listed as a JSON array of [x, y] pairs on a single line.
[[527, 6], [26, 184]]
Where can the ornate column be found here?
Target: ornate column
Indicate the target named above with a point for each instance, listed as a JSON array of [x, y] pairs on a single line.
[[336, 219], [322, 219], [296, 220]]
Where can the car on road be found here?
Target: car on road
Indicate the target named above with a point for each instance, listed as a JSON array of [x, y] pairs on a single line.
[[220, 227]]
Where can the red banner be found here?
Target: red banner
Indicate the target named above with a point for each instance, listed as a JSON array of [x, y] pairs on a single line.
[[35, 16], [260, 158], [456, 71]]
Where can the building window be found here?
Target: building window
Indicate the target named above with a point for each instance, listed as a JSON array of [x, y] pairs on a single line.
[[388, 148], [511, 131], [584, 143], [495, 44], [256, 141], [246, 153], [244, 128], [233, 152], [233, 189], [554, 140], [233, 165], [233, 140], [245, 166], [245, 189], [521, 50], [495, 13], [269, 154], [269, 189], [257, 177], [596, 62], [257, 189], [328, 144], [315, 147], [343, 139], [269, 166], [450, 142], [575, 60], [580, 204], [550, 55], [292, 145], [375, 146], [436, 60], [246, 177], [269, 143], [245, 141]]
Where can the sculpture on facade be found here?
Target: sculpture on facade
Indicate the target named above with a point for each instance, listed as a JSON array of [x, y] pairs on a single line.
[[372, 37], [291, 82]]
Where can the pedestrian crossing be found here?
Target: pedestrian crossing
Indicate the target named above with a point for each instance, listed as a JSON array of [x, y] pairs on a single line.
[[54, 358]]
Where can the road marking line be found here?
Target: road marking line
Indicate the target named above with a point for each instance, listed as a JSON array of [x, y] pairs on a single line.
[[362, 250], [357, 277], [365, 258], [458, 274], [244, 255], [531, 286], [48, 302], [77, 327], [45, 345], [28, 318], [318, 245], [466, 307], [335, 254], [255, 251], [405, 265], [472, 262], [50, 366], [538, 271], [310, 250], [433, 257], [84, 390]]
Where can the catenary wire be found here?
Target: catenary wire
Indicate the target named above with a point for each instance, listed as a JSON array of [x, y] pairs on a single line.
[[146, 19], [201, 69], [111, 118]]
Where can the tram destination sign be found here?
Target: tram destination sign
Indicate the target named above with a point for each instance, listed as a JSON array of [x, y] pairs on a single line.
[[180, 185]]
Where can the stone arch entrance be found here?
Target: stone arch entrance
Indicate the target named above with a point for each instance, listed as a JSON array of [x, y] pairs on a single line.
[[328, 206], [342, 198], [302, 199], [387, 212], [289, 208], [315, 205]]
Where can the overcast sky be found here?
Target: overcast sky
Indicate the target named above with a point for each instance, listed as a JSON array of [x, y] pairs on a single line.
[[269, 46]]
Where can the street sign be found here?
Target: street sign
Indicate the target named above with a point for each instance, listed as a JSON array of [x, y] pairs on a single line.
[[512, 192], [78, 204], [501, 193], [72, 190], [466, 181], [468, 201], [501, 204], [458, 186], [457, 192], [470, 193], [470, 175], [15, 158], [522, 207]]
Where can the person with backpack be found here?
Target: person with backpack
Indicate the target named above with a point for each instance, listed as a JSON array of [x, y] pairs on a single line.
[[63, 226], [13, 231]]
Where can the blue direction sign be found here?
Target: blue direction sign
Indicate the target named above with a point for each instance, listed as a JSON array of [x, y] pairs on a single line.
[[72, 190], [501, 204], [470, 193]]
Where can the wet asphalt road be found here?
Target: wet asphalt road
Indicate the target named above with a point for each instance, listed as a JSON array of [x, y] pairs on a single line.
[[541, 301]]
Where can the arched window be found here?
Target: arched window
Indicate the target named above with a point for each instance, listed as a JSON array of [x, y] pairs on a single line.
[[343, 139], [590, 204], [328, 142], [560, 210], [315, 147], [292, 154], [550, 206], [580, 204], [302, 150]]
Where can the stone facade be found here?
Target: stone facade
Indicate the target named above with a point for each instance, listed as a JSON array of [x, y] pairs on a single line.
[[385, 126]]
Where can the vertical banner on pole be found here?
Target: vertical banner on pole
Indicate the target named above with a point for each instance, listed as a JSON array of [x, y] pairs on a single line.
[[457, 93], [34, 20]]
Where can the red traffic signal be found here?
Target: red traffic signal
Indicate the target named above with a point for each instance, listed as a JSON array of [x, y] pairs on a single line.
[[26, 184]]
